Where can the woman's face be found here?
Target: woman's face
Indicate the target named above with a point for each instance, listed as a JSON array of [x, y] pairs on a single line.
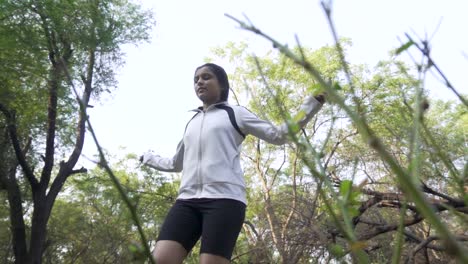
[[207, 86]]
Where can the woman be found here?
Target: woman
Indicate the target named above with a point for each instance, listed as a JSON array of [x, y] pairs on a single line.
[[212, 198]]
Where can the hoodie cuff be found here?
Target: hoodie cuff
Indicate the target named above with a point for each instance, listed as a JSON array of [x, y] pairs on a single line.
[[146, 157]]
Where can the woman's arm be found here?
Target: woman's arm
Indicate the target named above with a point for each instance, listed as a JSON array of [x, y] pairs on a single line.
[[277, 135], [174, 164]]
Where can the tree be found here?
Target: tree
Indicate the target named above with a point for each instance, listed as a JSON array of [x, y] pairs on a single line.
[[283, 216], [309, 203], [46, 46], [100, 227]]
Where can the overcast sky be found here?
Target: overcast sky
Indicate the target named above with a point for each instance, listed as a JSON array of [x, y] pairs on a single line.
[[149, 109]]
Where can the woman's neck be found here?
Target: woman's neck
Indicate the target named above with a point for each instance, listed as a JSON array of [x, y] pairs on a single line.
[[208, 104], [205, 106]]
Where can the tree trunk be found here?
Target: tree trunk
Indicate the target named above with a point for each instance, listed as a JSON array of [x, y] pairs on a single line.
[[38, 229], [16, 219]]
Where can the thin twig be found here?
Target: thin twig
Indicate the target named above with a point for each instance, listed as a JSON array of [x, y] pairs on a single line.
[[103, 162], [432, 63], [406, 183]]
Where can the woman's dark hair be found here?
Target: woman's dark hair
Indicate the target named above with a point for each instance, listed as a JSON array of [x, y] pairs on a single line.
[[222, 77]]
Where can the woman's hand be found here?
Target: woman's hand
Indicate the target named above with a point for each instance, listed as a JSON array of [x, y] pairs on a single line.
[[144, 158]]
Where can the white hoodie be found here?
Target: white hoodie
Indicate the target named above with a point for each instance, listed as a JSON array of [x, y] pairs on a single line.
[[209, 152]]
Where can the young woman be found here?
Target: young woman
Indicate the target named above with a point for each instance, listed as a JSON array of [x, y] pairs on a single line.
[[212, 197]]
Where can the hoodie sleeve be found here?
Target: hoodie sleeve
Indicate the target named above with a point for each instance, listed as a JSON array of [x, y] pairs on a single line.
[[251, 124], [174, 164]]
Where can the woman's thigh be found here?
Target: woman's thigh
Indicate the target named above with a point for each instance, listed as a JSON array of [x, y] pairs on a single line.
[[183, 224], [222, 223]]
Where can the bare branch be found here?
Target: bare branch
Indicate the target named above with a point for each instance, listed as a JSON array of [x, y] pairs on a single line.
[[381, 229], [110, 172], [423, 48], [426, 244], [335, 147], [294, 201], [252, 227], [453, 201], [81, 170], [405, 180], [66, 168]]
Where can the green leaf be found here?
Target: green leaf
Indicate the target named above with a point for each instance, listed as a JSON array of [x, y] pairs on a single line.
[[345, 187], [336, 250], [315, 89], [134, 248], [337, 86], [293, 127], [299, 116], [353, 211], [404, 47]]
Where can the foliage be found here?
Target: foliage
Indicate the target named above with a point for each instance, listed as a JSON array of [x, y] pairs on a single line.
[[403, 170], [42, 42], [100, 227], [378, 174], [288, 219]]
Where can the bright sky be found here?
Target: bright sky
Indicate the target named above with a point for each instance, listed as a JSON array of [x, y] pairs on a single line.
[[149, 109]]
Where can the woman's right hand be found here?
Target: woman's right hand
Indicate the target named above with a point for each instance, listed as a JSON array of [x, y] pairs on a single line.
[[145, 157]]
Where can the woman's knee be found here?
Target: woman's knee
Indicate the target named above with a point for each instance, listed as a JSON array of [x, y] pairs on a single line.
[[169, 252]]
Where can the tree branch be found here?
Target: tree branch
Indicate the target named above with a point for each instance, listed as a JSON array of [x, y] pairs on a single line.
[[107, 168], [53, 84], [66, 168], [252, 227], [426, 244], [81, 170], [452, 201], [405, 180], [424, 49], [20, 154], [391, 227], [393, 200], [81, 126], [294, 192], [335, 147]]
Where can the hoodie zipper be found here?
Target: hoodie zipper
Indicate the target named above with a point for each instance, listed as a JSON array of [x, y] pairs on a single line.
[[199, 167]]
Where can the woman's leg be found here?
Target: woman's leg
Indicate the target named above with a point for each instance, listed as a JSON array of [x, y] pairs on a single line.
[[179, 233], [222, 222], [169, 252], [206, 258]]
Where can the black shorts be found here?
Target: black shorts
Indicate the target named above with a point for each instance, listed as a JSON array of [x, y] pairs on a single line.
[[217, 221]]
